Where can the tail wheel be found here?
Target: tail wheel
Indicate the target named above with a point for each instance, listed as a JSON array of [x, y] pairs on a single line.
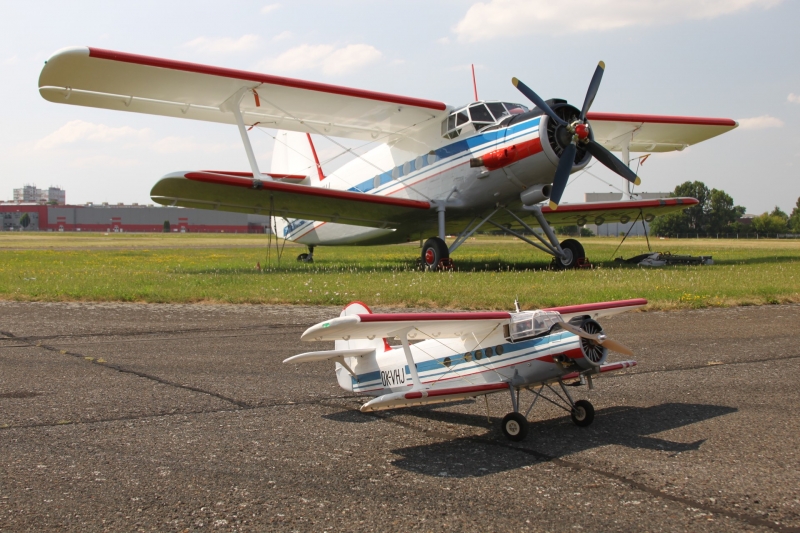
[[305, 258], [434, 251], [573, 255], [514, 426], [582, 413]]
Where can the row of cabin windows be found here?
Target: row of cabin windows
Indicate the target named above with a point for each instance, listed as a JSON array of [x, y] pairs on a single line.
[[406, 168], [477, 355]]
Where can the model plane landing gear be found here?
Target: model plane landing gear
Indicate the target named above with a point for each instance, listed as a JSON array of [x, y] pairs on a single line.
[[435, 255], [582, 413], [573, 255], [514, 426], [307, 258]]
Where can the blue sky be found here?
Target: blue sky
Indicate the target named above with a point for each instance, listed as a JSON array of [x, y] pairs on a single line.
[[720, 58]]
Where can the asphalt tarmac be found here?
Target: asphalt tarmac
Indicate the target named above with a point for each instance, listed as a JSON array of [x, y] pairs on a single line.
[[128, 417]]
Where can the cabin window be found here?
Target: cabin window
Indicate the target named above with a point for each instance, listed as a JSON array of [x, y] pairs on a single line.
[[376, 181], [497, 109], [406, 168], [419, 162], [468, 357], [395, 173], [532, 323], [489, 351], [447, 362], [498, 350], [478, 355]]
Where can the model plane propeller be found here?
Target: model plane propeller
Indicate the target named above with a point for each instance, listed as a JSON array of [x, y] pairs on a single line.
[[577, 132], [465, 355]]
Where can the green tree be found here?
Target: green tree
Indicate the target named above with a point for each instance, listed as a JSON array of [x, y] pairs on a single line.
[[794, 218], [770, 223], [25, 220], [715, 212]]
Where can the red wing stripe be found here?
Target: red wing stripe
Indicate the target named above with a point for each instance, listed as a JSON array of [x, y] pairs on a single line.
[[662, 119], [457, 390], [588, 308], [410, 317], [247, 183], [603, 368], [137, 59], [250, 174], [627, 205]]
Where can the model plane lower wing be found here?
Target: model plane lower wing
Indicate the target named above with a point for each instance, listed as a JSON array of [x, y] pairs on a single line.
[[226, 192], [108, 79], [654, 133]]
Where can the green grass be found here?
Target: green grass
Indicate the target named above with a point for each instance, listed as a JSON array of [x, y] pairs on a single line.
[[490, 273]]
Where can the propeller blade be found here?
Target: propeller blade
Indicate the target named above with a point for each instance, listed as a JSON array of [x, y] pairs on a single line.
[[599, 338], [617, 347], [612, 162], [591, 92], [537, 100], [562, 174]]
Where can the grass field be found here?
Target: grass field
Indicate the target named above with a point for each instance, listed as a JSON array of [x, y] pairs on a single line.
[[490, 272]]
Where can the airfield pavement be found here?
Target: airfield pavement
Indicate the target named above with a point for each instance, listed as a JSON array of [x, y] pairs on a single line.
[[127, 417]]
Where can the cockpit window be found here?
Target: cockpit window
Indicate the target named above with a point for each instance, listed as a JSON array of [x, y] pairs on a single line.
[[477, 117]]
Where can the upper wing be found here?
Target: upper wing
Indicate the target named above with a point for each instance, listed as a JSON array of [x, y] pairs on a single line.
[[597, 310], [436, 325], [128, 82], [229, 192], [654, 133]]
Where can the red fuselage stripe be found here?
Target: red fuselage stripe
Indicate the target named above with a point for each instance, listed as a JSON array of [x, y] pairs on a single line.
[[185, 66], [662, 119], [246, 183]]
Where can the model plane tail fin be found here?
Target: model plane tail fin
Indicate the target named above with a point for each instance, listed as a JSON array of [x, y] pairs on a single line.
[[294, 153]]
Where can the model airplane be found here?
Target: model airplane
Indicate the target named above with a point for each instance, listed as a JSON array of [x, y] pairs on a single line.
[[429, 165], [464, 355]]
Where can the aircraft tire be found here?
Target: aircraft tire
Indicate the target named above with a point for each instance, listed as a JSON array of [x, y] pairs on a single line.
[[304, 258], [574, 251], [583, 413], [433, 251], [514, 426]]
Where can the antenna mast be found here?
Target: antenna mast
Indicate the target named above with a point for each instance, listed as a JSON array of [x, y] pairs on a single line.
[[474, 84]]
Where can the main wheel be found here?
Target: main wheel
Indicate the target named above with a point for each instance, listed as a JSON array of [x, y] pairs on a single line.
[[573, 251], [583, 413], [305, 258], [514, 426], [433, 251]]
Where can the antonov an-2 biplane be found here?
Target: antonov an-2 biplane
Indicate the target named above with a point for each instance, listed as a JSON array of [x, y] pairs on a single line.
[[430, 170], [466, 355]]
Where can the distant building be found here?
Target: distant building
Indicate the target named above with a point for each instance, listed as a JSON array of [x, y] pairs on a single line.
[[29, 194], [128, 218]]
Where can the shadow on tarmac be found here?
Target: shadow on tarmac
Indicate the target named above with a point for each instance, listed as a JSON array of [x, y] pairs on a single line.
[[550, 439]]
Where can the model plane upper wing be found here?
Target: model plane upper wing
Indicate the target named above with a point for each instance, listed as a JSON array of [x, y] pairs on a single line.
[[654, 133], [232, 192], [128, 82]]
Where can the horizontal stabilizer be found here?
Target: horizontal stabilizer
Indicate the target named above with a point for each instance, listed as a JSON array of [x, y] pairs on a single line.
[[327, 355]]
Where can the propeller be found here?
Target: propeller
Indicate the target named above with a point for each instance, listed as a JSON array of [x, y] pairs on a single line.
[[579, 133], [599, 338]]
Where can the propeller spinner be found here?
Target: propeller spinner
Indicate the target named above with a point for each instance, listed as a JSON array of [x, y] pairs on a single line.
[[579, 132]]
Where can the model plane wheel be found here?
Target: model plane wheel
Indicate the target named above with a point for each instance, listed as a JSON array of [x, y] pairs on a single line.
[[305, 258], [573, 251], [514, 426], [582, 413], [433, 251]]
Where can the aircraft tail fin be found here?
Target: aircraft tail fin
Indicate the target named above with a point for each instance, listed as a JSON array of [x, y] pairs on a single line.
[[294, 153]]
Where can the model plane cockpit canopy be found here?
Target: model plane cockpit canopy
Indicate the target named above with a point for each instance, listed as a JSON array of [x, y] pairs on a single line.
[[529, 324], [477, 117]]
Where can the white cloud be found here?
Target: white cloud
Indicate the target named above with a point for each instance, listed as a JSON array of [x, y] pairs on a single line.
[[269, 8], [328, 58], [498, 18], [282, 36], [174, 144], [104, 161], [443, 40], [793, 98], [223, 45], [79, 130], [759, 123]]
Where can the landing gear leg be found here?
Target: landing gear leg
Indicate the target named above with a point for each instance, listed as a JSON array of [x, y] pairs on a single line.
[[307, 258], [514, 425]]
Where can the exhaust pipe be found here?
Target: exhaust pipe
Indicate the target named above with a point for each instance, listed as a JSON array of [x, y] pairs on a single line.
[[535, 194]]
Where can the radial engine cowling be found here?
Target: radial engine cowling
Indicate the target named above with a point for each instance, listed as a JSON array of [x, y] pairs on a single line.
[[594, 354], [555, 138]]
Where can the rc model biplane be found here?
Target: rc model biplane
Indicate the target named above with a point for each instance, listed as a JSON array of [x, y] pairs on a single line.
[[425, 170], [465, 355]]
